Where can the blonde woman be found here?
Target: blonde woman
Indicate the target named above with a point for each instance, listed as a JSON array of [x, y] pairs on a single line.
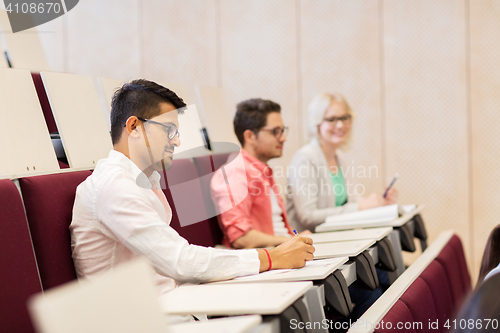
[[317, 184]]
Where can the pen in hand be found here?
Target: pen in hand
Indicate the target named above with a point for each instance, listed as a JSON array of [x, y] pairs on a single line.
[[306, 239], [391, 184]]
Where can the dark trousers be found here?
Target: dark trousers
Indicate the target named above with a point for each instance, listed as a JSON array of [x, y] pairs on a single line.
[[363, 298]]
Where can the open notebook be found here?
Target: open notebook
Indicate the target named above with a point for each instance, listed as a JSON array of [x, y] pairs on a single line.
[[374, 215]]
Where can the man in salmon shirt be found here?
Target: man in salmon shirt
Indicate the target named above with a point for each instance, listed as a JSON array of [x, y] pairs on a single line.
[[259, 219]]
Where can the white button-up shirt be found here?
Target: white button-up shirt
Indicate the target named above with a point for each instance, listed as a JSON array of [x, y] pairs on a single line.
[[115, 220]]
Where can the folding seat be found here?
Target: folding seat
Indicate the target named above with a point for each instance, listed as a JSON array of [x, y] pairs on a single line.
[[418, 298], [449, 260], [399, 313], [437, 281], [189, 214], [19, 276], [49, 203], [434, 295], [456, 243]]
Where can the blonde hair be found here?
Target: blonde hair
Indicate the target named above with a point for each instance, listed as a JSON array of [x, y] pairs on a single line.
[[316, 112]]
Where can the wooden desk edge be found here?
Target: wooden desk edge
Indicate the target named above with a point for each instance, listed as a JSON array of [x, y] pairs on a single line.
[[232, 281], [301, 288]]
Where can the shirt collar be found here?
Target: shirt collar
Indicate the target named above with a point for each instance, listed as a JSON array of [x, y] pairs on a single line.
[[153, 182], [256, 163]]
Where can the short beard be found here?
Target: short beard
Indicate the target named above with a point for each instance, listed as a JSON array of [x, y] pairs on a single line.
[[166, 166]]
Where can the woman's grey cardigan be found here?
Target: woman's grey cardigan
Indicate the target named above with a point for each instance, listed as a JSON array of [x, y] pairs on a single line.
[[310, 192]]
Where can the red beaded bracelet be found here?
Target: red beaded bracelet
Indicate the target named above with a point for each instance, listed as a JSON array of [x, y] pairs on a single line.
[[270, 262]]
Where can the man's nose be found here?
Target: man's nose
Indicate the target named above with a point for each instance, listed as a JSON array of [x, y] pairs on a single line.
[[176, 141]]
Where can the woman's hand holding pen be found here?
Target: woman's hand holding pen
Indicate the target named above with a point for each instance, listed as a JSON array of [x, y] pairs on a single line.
[[392, 196], [372, 201], [375, 200]]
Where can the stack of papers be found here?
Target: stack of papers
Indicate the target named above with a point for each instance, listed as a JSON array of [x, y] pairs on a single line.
[[385, 216], [374, 215]]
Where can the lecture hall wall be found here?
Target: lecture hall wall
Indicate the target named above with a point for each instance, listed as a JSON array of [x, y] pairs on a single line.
[[423, 78]]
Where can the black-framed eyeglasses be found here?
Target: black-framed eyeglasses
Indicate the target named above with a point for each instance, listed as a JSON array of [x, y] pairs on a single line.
[[171, 130], [277, 131], [346, 120]]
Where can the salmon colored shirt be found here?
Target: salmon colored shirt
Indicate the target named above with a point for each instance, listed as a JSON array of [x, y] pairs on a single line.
[[254, 210]]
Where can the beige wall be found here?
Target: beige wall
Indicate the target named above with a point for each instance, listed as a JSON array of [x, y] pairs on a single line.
[[484, 137], [422, 76]]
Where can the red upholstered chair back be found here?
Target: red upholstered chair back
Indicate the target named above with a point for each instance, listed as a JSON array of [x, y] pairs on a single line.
[[63, 165], [456, 244], [437, 281], [49, 203], [418, 298], [205, 232], [449, 259], [19, 276], [436, 294], [399, 313], [206, 166]]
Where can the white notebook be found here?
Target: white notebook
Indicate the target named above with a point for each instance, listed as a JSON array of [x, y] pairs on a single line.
[[374, 215], [407, 208]]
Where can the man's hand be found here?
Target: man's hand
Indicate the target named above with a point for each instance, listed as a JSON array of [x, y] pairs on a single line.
[[291, 254], [305, 233]]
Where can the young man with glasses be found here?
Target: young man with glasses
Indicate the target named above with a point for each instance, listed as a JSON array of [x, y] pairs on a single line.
[[120, 212], [260, 219]]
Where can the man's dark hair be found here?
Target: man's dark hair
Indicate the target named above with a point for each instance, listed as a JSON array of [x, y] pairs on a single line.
[[140, 98], [252, 115]]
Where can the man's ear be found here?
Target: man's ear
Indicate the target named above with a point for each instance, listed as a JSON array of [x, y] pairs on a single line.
[[249, 137], [132, 126]]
